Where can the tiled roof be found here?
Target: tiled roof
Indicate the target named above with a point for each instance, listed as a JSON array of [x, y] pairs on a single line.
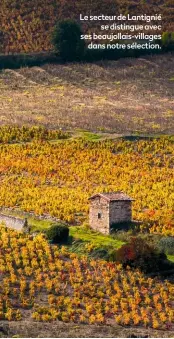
[[112, 196]]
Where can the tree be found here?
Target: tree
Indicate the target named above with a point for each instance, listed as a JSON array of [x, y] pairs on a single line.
[[67, 40]]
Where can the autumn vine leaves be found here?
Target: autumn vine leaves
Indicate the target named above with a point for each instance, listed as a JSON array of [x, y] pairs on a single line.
[[56, 179], [49, 283]]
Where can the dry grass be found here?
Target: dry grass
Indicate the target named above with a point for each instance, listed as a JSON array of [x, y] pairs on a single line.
[[31, 329], [123, 96]]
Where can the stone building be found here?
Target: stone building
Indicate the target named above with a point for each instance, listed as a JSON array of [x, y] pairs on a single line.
[[107, 210], [12, 222]]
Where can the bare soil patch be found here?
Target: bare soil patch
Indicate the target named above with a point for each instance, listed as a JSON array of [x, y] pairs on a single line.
[[31, 329]]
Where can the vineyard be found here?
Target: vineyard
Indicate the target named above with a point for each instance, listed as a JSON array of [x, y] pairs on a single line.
[[27, 27], [67, 132], [56, 179], [124, 96], [47, 283]]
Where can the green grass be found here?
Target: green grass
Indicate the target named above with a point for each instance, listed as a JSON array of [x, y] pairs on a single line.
[[171, 258], [89, 136], [95, 238], [39, 225], [85, 241], [84, 234], [35, 223]]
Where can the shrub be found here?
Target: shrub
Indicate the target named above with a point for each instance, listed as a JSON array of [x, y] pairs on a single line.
[[139, 254], [67, 42], [124, 236], [151, 239], [58, 233], [166, 244], [167, 41], [15, 61]]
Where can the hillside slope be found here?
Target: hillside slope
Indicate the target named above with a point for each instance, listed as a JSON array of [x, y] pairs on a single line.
[[26, 26], [33, 329], [50, 284], [123, 96]]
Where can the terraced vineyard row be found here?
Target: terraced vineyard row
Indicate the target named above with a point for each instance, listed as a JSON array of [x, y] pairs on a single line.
[[46, 283], [123, 96], [27, 27], [57, 179]]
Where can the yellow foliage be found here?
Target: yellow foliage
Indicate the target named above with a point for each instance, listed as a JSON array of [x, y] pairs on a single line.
[[77, 289], [57, 179]]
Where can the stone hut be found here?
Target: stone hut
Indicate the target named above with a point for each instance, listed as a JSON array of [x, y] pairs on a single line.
[[16, 223], [108, 210]]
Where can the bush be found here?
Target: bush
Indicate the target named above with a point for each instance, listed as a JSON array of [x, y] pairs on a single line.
[[151, 239], [138, 254], [166, 244], [67, 42], [167, 41], [58, 233], [26, 60], [124, 236]]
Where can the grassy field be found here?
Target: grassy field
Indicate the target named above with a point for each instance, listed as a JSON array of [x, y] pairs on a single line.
[[94, 238], [124, 96]]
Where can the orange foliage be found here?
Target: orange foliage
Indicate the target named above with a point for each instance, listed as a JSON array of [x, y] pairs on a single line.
[[76, 290]]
